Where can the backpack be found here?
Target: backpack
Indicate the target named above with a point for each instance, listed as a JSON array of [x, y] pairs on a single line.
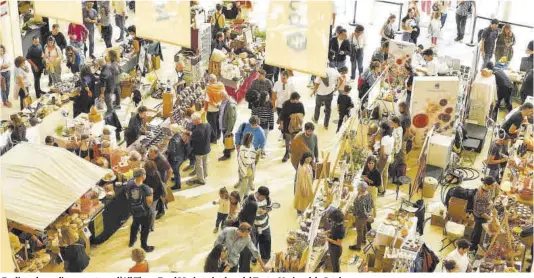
[[295, 123], [138, 206], [242, 132]]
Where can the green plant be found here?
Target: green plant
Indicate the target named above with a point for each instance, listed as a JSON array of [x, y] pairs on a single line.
[[359, 155], [260, 34], [59, 130]]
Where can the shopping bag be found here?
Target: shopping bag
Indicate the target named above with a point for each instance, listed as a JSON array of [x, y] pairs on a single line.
[[169, 198], [229, 142], [27, 101]]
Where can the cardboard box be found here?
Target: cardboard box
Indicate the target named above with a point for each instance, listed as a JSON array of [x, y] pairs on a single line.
[[437, 220]]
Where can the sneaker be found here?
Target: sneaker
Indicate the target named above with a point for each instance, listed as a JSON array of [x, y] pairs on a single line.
[[189, 167], [236, 186], [355, 248], [286, 157], [160, 215], [131, 244], [92, 57], [381, 194], [326, 127], [195, 182], [215, 230], [314, 120], [149, 249], [223, 158], [175, 188], [457, 39]]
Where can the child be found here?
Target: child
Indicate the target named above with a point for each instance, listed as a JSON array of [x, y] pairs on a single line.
[[344, 104], [138, 256], [434, 28], [343, 71], [224, 208], [235, 206]]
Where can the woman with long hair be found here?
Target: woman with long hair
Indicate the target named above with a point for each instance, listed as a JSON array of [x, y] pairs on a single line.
[[153, 180], [410, 26], [303, 187], [505, 44], [22, 80], [215, 261], [385, 153], [372, 177], [388, 32], [53, 56]]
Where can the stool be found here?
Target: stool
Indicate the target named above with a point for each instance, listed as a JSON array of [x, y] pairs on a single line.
[[402, 180], [370, 238], [453, 232]]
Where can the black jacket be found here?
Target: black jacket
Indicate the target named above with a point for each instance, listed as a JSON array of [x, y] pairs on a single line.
[[504, 84], [60, 40], [112, 119], [334, 50], [248, 210], [178, 150], [200, 139], [134, 129]]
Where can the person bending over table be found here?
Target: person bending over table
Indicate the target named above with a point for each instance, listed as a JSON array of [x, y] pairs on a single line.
[[431, 67], [136, 126]]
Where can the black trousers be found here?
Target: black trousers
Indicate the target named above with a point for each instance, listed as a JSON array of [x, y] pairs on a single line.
[[335, 254], [504, 94], [460, 26], [477, 233], [226, 153], [213, 120], [37, 82], [221, 217], [263, 243], [340, 122], [144, 223], [244, 261], [107, 34], [327, 102]]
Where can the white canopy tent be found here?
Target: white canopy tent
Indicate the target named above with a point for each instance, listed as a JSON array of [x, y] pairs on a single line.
[[40, 182]]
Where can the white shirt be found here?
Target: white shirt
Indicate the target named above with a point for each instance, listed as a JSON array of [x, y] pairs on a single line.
[[397, 135], [5, 59], [462, 261], [25, 77], [417, 60], [358, 42], [339, 42], [283, 94], [333, 76], [33, 136], [387, 142], [432, 67]]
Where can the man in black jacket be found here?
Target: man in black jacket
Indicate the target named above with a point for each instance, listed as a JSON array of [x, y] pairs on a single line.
[[136, 126], [200, 141], [339, 48], [504, 86], [58, 36], [178, 151]]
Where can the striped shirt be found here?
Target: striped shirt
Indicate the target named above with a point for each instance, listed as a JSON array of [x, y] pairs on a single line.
[[363, 206], [463, 8], [262, 221], [266, 115]]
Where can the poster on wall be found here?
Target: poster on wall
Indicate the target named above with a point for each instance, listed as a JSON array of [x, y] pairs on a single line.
[[398, 54], [70, 11], [167, 21], [433, 104], [297, 35]]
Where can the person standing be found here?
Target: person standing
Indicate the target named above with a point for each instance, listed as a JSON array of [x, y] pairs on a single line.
[[308, 142], [385, 150], [398, 154], [527, 86], [388, 32], [22, 80], [363, 213], [58, 36], [459, 255], [434, 28], [482, 206], [372, 177], [89, 20], [262, 229], [84, 100], [253, 126], [159, 190], [335, 238], [290, 120], [410, 26], [35, 57], [487, 41], [53, 57], [260, 84], [236, 240], [109, 78], [200, 141], [227, 118], [140, 198], [104, 12], [282, 90], [136, 126], [179, 81], [324, 89], [74, 59], [344, 105], [5, 75], [464, 9], [303, 189], [119, 6], [247, 159], [265, 112], [498, 156], [78, 35], [339, 49], [75, 257], [212, 103], [443, 6], [217, 21], [178, 150], [505, 44], [358, 43], [164, 168], [504, 86]]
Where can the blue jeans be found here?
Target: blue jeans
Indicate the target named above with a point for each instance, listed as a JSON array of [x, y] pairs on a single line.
[[443, 19], [356, 60], [120, 25], [5, 93], [176, 170], [486, 58]]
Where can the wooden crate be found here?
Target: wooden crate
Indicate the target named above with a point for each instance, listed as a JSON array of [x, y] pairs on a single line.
[[126, 89]]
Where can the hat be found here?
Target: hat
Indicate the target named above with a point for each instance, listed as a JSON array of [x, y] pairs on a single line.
[[494, 21], [139, 172]]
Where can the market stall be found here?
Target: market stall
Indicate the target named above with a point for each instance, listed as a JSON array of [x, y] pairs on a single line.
[[49, 185]]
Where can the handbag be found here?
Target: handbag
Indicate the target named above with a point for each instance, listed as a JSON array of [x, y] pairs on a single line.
[[229, 142]]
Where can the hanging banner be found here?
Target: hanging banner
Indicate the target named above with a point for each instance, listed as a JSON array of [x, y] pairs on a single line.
[[167, 21], [70, 11], [297, 35], [433, 104]]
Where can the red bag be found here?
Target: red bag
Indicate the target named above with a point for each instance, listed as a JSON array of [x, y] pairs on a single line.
[[360, 82]]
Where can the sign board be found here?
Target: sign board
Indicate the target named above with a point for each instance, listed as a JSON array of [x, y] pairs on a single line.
[[167, 21], [433, 104], [298, 35], [70, 11]]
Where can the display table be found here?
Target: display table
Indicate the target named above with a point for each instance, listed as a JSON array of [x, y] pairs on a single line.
[[111, 218], [238, 89]]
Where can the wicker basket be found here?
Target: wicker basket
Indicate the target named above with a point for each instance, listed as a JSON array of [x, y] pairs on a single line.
[[214, 68]]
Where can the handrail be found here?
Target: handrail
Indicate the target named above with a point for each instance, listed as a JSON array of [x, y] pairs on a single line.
[[400, 10], [500, 21]]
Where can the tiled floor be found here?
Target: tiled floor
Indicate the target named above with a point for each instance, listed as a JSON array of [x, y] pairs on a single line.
[[184, 236]]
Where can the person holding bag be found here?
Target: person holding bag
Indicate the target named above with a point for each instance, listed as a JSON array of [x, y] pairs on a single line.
[[75, 257], [227, 118], [53, 56], [363, 212], [23, 83], [247, 159], [5, 76], [303, 189]]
